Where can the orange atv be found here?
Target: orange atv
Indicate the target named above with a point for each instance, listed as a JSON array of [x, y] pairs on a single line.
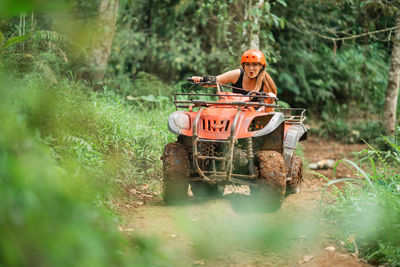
[[229, 138]]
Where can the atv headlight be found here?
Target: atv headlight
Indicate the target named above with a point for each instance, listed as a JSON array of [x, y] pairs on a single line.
[[181, 120], [178, 121]]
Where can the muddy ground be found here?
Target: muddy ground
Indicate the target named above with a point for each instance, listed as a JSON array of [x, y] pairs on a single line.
[[227, 231]]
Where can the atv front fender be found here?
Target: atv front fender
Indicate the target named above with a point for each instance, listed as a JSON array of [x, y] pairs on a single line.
[[276, 120], [295, 133]]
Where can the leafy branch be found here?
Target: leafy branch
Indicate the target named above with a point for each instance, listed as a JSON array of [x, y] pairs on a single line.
[[13, 40]]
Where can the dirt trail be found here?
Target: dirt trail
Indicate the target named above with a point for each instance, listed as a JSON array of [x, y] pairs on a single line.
[[228, 232]]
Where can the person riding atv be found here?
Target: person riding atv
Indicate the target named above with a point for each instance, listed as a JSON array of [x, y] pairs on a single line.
[[239, 138], [251, 77]]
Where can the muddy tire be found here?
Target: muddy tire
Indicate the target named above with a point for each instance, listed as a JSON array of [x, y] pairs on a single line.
[[293, 186], [176, 173], [203, 189], [271, 180]]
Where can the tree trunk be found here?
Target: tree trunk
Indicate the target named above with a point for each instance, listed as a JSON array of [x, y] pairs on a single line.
[[255, 36], [392, 89], [105, 29], [244, 45], [251, 33]]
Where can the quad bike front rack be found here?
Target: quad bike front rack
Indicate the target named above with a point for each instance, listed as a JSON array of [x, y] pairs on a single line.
[[294, 115], [213, 175], [189, 103]]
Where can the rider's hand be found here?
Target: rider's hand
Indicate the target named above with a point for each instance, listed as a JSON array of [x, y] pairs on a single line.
[[271, 94], [197, 79]]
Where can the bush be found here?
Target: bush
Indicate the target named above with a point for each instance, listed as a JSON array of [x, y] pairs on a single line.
[[348, 131], [48, 218], [64, 152], [367, 211]]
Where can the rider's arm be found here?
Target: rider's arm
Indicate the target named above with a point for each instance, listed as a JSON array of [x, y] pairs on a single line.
[[228, 77]]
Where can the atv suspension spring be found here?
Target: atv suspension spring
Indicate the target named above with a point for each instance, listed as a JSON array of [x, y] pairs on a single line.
[[250, 156]]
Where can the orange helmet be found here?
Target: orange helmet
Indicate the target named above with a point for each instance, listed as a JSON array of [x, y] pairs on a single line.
[[253, 55]]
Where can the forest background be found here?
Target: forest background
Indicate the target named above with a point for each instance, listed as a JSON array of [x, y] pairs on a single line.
[[86, 87]]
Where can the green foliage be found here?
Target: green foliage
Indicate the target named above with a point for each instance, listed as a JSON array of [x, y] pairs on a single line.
[[98, 130], [47, 211], [187, 37], [388, 146], [1, 41], [325, 76], [11, 41], [17, 39], [368, 210], [348, 131], [64, 151], [10, 8], [355, 73]]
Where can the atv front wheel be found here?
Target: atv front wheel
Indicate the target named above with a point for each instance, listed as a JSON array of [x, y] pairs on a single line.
[[293, 186], [271, 180], [176, 173]]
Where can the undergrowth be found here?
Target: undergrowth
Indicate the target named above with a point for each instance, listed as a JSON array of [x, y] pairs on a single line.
[[354, 127], [65, 151], [366, 211], [113, 137]]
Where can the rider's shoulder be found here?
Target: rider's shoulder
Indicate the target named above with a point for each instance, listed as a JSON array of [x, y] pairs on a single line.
[[231, 73], [236, 71], [229, 76]]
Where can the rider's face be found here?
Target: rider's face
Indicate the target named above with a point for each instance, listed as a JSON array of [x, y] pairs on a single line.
[[252, 69]]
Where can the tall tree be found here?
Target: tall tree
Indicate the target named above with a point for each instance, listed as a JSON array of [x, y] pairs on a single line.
[[255, 33], [105, 30], [251, 28], [392, 90]]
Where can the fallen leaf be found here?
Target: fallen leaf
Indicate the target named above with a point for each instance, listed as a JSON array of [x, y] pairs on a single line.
[[133, 191], [306, 259]]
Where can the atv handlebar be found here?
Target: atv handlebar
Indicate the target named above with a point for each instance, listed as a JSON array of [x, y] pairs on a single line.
[[207, 80]]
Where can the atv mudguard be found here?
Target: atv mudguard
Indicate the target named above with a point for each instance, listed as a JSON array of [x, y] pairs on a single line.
[[273, 137], [276, 120], [295, 133]]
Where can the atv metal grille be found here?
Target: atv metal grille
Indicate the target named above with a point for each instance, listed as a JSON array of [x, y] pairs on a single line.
[[208, 153], [215, 126], [211, 150]]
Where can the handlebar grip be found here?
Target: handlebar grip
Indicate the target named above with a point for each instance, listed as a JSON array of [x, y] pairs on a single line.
[[206, 80]]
